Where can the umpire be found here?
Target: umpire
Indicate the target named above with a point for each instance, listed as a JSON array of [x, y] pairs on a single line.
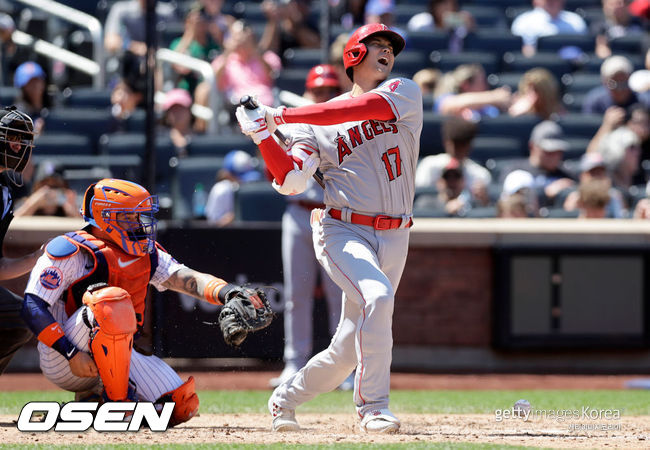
[[16, 142]]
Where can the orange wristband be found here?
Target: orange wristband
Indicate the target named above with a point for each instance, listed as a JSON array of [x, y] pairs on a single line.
[[212, 289], [51, 334]]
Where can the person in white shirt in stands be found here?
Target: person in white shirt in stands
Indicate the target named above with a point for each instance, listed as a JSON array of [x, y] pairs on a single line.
[[546, 19]]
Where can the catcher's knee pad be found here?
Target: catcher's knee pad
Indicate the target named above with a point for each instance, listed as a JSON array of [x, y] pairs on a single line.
[[111, 341], [187, 402]]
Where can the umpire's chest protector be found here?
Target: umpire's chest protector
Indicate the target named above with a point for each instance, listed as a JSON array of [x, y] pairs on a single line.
[[113, 266]]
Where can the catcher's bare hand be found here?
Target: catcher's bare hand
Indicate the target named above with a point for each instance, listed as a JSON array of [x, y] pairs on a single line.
[[82, 365], [246, 311]]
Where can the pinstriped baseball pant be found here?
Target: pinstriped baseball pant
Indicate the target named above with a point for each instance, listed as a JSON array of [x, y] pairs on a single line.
[[151, 375]]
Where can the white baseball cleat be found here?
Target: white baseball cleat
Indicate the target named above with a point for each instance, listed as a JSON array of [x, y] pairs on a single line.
[[380, 421], [283, 419]]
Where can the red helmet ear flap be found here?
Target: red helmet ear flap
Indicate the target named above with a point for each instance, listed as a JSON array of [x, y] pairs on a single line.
[[355, 54]]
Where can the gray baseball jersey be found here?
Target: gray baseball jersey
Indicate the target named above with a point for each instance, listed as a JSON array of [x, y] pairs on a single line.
[[371, 165]]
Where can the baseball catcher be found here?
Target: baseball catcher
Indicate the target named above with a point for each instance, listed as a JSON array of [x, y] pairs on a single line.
[[85, 300]]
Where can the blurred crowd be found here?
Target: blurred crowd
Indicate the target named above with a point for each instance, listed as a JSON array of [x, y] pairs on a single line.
[[566, 81]]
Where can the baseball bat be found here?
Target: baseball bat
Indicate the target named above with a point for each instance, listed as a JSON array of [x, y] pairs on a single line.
[[249, 103]]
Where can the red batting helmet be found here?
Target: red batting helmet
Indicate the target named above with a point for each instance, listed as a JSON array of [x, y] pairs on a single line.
[[322, 75], [355, 50]]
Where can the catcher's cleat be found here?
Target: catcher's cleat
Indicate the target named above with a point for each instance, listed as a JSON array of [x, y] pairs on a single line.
[[283, 419], [288, 371], [380, 421]]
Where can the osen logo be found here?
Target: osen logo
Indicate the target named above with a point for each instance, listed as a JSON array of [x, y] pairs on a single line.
[[110, 416]]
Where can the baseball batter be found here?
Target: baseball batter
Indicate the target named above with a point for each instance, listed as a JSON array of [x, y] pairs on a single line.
[[85, 299], [366, 143]]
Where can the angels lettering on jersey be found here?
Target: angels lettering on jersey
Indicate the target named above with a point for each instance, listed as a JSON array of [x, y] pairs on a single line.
[[356, 135]]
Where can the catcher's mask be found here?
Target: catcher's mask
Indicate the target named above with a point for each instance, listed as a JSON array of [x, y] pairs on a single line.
[[16, 141], [125, 211]]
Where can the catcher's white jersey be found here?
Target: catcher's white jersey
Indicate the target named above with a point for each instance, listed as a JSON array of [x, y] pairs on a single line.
[[369, 165], [49, 279]]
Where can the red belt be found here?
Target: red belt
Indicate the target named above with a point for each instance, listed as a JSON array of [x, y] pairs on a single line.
[[380, 222], [309, 205]]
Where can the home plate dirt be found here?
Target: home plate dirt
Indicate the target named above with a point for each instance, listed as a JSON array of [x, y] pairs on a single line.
[[625, 432]]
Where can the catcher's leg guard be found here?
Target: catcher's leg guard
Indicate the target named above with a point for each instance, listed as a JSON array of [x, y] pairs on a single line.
[[187, 402], [112, 338]]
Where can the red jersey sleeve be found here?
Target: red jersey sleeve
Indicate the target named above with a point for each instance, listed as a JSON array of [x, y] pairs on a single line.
[[369, 106]]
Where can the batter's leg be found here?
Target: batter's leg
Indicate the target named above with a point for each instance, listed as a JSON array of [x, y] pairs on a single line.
[[325, 371]]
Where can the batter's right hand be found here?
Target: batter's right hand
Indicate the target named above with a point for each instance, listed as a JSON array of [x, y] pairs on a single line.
[[252, 123], [82, 365]]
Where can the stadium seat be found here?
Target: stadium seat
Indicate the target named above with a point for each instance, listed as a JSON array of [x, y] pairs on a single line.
[[87, 97], [431, 137], [410, 61], [593, 63], [8, 94], [627, 44], [403, 12], [586, 42], [581, 125], [580, 82], [517, 62], [447, 61], [572, 5], [506, 126], [483, 212], [258, 202], [493, 40], [63, 144], [124, 166], [486, 147], [591, 15], [427, 41], [89, 122], [186, 175], [292, 80], [510, 79], [486, 16], [558, 213], [577, 147], [498, 167], [573, 102], [302, 58], [213, 145]]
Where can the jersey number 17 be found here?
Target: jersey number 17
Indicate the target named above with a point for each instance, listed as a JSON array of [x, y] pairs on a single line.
[[392, 153]]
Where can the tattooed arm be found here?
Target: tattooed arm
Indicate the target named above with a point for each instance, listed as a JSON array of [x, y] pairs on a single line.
[[199, 285]]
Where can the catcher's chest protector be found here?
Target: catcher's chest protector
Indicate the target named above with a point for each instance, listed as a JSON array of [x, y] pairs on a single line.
[[113, 266]]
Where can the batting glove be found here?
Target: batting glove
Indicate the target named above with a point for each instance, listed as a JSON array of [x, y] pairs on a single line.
[[273, 116], [252, 123], [296, 180]]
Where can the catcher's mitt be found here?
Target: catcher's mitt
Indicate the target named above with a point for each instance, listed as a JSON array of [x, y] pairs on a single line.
[[245, 311]]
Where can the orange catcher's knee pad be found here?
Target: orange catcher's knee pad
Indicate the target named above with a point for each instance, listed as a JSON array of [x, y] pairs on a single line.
[[187, 402], [112, 338]]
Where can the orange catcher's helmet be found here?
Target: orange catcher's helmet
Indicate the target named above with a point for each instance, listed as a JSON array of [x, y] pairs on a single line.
[[125, 211], [322, 75], [355, 50]]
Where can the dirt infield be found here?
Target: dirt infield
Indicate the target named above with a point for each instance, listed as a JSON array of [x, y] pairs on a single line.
[[254, 380], [622, 432], [627, 432]]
